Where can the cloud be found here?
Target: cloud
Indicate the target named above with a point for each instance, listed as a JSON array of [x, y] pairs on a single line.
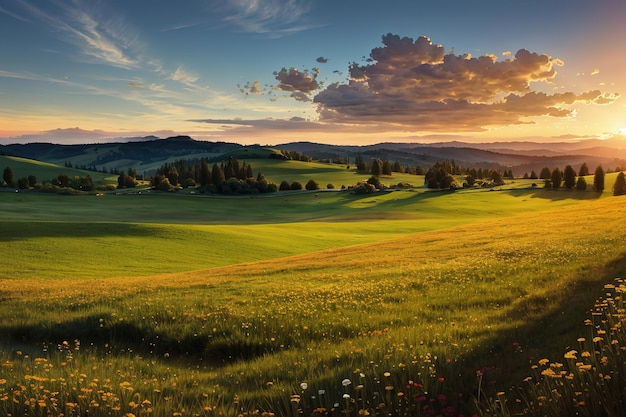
[[271, 18], [136, 85], [104, 38], [183, 76], [293, 123], [295, 80], [417, 84]]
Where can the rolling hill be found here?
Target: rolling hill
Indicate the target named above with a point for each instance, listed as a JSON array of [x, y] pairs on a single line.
[[149, 154]]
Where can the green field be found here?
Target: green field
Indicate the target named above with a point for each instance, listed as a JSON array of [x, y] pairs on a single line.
[[190, 304]]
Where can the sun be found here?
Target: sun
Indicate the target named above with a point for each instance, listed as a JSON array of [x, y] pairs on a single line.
[[622, 131]]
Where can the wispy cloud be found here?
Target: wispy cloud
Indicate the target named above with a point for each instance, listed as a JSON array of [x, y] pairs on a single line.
[[271, 18], [14, 15], [102, 37], [184, 76]]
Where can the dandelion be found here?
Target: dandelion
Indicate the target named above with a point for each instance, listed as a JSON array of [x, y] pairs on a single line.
[[543, 361], [304, 386]]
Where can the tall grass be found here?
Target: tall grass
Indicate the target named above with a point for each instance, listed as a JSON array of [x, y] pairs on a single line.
[[416, 315]]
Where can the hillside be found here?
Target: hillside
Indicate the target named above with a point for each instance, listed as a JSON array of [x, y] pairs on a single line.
[[149, 154]]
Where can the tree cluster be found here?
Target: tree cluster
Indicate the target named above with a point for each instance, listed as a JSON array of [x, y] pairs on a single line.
[[230, 177]]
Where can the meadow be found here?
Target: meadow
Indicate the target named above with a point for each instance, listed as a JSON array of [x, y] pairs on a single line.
[[327, 303]]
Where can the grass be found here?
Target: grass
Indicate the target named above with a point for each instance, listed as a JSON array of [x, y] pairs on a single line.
[[44, 171], [409, 290]]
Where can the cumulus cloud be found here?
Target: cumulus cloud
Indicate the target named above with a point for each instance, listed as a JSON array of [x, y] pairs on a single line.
[[301, 84], [417, 84]]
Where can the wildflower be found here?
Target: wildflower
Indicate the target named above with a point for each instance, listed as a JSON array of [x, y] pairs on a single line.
[[346, 382], [304, 386], [346, 396], [581, 339], [571, 354], [585, 354], [321, 392], [387, 374], [543, 361]]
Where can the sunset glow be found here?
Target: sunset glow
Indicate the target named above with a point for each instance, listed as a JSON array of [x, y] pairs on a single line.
[[274, 71]]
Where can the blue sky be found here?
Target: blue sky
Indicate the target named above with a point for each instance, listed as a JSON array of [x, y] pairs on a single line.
[[326, 71]]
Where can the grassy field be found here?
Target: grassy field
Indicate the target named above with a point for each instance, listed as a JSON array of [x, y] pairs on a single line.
[[45, 171], [185, 304]]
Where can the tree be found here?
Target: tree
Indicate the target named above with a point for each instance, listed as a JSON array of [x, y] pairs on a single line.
[[22, 183], [397, 167], [32, 180], [598, 179], [205, 174], [533, 175], [569, 177], [584, 170], [495, 176], [312, 185], [173, 176], [545, 173], [377, 167], [296, 185], [284, 186], [556, 178], [7, 176], [217, 175], [619, 188], [386, 169], [581, 184]]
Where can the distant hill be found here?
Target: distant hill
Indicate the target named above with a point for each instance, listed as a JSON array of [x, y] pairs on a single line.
[[149, 153]]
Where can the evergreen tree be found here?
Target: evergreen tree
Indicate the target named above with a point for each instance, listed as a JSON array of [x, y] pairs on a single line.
[[569, 177], [205, 174], [584, 170], [533, 175], [545, 174], [581, 184], [598, 179], [7, 176], [377, 167], [217, 175], [173, 176], [619, 188], [386, 168], [397, 167], [121, 180], [556, 178]]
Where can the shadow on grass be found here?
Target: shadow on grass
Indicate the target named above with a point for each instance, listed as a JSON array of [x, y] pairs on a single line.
[[12, 231]]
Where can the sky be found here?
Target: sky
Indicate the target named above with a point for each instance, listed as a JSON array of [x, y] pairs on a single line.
[[326, 71]]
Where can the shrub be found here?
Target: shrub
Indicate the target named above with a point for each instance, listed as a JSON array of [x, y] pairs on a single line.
[[312, 185], [284, 186], [296, 185], [364, 188]]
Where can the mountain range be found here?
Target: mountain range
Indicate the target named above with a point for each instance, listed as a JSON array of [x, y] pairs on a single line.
[[150, 152]]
